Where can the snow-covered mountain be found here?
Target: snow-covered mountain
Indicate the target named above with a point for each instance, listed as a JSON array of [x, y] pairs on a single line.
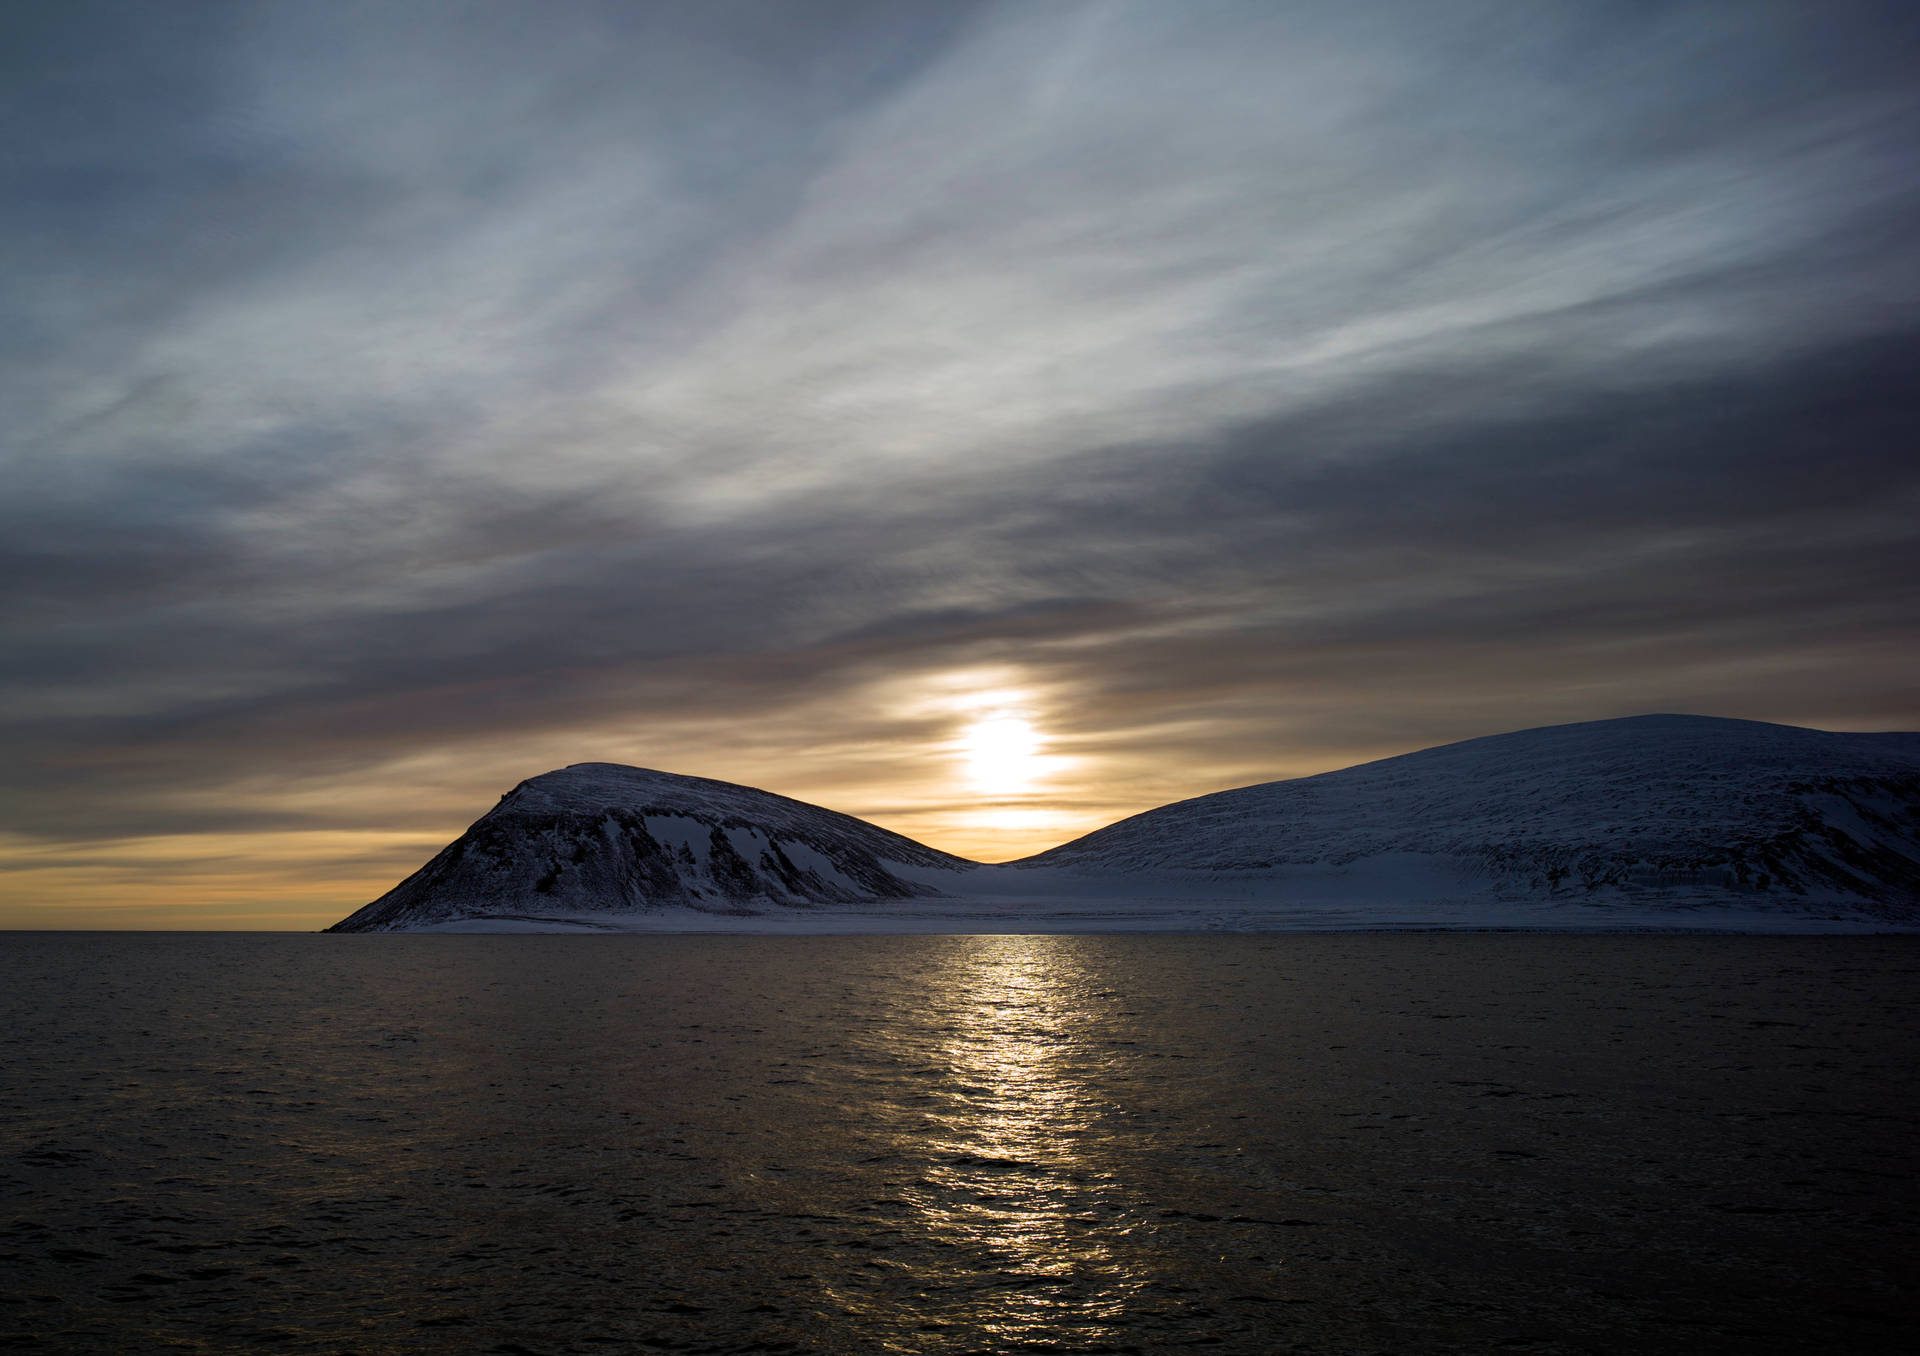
[[599, 838], [1648, 821], [1650, 806]]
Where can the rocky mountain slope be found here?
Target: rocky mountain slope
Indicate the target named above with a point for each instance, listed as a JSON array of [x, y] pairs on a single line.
[[602, 838], [1648, 805], [1608, 823]]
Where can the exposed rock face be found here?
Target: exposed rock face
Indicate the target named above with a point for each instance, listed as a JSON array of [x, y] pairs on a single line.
[[599, 837], [1653, 805]]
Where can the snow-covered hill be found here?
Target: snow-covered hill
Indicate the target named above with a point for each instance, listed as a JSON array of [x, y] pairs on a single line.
[[1680, 807], [1650, 821], [599, 838]]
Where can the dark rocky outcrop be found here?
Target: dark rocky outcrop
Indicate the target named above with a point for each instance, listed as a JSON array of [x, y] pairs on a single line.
[[601, 838]]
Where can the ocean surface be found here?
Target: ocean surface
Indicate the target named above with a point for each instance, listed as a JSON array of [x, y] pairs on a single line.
[[1338, 1144]]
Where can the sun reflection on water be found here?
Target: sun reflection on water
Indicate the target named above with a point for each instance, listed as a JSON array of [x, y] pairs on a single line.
[[1018, 1187]]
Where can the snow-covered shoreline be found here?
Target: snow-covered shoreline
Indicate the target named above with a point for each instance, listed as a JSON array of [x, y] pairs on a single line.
[[1351, 902], [688, 922]]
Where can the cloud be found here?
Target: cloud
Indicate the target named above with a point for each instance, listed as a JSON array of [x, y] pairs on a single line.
[[1260, 384]]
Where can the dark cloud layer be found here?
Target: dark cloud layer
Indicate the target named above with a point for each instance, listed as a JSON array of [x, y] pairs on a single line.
[[398, 392]]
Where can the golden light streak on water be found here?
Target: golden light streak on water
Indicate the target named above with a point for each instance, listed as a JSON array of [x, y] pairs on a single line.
[[1021, 1185]]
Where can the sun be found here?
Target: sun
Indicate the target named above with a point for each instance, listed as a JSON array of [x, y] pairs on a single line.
[[1001, 750]]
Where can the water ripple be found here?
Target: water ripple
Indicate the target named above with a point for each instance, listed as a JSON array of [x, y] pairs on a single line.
[[956, 1144]]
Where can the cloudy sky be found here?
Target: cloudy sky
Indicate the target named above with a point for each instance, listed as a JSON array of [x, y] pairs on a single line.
[[987, 419]]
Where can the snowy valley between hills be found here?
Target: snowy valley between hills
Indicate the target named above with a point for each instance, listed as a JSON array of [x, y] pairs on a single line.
[[1660, 822]]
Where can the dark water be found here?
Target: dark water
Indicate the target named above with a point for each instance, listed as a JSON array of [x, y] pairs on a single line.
[[945, 1144]]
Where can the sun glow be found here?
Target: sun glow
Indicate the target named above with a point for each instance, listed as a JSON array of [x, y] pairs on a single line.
[[1002, 753], [1002, 779]]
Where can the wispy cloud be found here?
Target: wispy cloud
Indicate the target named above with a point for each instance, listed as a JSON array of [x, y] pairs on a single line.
[[472, 388]]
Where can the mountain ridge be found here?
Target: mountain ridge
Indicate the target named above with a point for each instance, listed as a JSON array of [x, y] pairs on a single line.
[[597, 837], [1724, 794], [1665, 810]]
